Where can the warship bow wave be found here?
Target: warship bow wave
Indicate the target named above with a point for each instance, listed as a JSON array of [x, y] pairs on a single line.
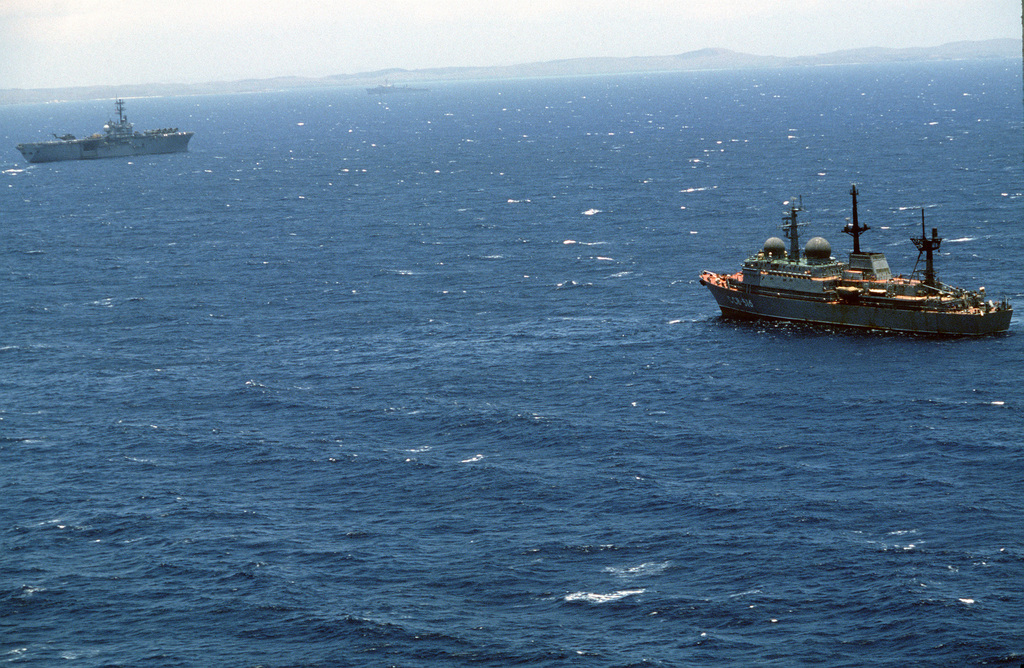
[[119, 139], [817, 288]]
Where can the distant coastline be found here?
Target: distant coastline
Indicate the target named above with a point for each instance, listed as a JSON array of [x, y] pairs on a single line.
[[703, 59]]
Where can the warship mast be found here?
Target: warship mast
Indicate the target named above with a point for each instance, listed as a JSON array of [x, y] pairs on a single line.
[[789, 226], [928, 246], [854, 229]]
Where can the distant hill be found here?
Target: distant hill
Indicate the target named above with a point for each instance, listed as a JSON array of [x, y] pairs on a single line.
[[704, 59]]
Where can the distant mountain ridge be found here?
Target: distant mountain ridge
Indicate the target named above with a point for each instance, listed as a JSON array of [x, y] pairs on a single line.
[[701, 59]]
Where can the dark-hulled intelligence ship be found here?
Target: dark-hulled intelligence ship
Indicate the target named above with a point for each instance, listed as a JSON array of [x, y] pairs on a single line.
[[119, 139], [817, 288]]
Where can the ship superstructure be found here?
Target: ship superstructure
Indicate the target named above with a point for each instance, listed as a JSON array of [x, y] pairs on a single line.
[[782, 284], [118, 139]]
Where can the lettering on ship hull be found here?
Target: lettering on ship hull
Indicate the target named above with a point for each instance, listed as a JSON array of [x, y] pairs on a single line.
[[739, 302]]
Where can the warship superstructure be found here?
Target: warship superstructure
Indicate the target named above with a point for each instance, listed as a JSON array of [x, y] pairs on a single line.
[[118, 139], [817, 288]]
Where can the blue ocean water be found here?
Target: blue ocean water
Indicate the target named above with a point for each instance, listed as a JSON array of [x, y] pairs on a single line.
[[429, 380]]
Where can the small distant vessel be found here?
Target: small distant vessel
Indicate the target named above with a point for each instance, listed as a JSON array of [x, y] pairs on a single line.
[[390, 88], [817, 288], [118, 139]]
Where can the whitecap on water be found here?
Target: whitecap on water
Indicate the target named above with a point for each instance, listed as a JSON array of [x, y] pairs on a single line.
[[590, 597], [29, 590], [646, 568]]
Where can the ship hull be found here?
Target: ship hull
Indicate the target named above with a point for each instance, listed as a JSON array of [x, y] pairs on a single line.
[[752, 305], [101, 147]]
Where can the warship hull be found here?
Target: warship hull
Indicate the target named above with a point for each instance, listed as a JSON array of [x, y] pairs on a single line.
[[879, 313], [94, 148]]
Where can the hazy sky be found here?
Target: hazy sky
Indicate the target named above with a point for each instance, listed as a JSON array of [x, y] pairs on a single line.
[[49, 43]]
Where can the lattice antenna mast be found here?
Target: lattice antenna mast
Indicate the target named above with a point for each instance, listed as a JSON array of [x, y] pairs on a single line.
[[855, 228], [928, 247], [790, 227]]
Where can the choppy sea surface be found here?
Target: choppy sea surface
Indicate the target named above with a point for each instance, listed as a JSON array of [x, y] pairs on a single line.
[[429, 379]]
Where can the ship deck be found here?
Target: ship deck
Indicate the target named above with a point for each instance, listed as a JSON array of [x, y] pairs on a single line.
[[861, 292]]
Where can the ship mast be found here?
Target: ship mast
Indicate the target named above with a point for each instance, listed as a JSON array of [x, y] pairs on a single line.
[[854, 229], [789, 226], [928, 246]]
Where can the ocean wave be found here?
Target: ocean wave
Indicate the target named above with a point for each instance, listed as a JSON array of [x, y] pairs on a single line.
[[569, 242], [644, 569], [591, 597]]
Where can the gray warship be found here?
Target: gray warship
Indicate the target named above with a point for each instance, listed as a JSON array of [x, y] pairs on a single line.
[[118, 139], [387, 88], [817, 288]]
